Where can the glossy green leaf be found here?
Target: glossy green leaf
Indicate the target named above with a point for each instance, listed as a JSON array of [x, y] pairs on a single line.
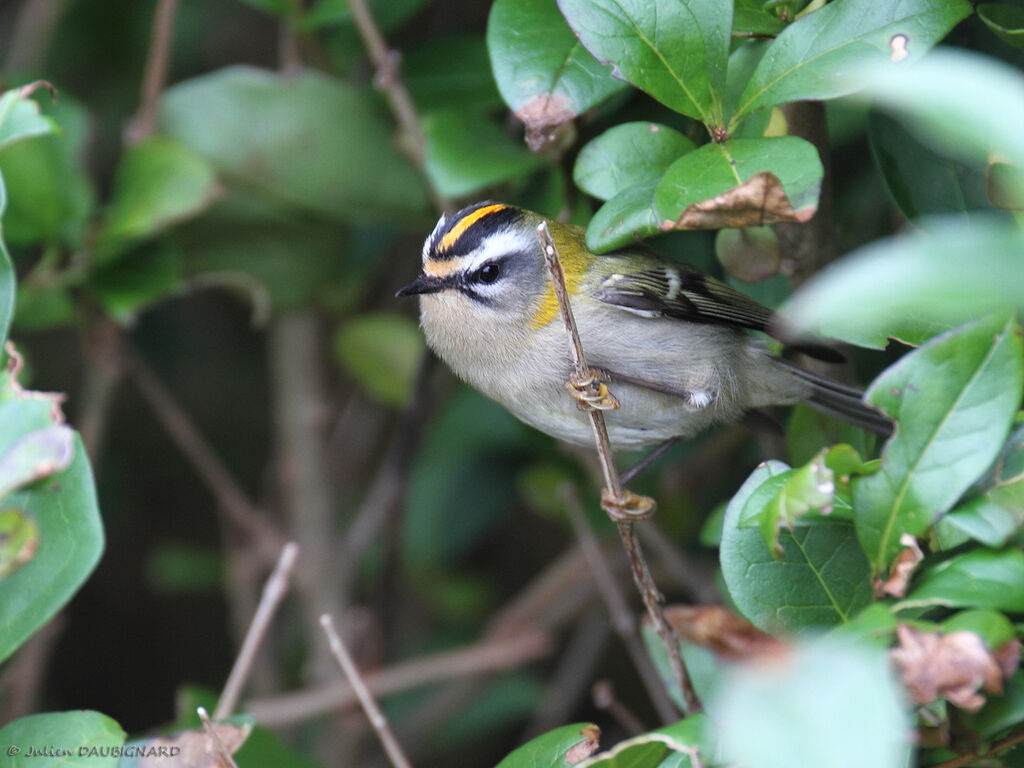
[[983, 578], [674, 745], [991, 518], [158, 184], [1005, 20], [717, 168], [677, 51], [992, 626], [921, 181], [468, 152], [550, 749], [20, 117], [832, 703], [628, 155], [321, 145], [954, 400], [78, 739], [822, 577], [450, 72], [914, 285], [814, 56], [382, 352], [623, 220], [544, 73]]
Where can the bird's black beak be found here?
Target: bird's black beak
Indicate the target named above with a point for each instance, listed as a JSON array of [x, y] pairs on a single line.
[[423, 284]]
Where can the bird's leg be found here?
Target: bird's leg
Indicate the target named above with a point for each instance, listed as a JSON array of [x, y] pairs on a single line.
[[649, 459], [591, 393], [696, 399]]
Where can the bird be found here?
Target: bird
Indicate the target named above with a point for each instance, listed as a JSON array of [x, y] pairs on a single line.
[[673, 343]]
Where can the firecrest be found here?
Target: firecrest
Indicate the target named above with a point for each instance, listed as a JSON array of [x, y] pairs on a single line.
[[672, 342]]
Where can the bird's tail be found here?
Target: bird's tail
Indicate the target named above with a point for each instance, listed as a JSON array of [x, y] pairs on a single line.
[[842, 402]]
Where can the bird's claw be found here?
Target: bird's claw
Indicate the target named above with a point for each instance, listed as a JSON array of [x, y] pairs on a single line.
[[627, 508], [591, 393]]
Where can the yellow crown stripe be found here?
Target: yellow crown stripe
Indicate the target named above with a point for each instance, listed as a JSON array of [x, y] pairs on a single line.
[[467, 221]]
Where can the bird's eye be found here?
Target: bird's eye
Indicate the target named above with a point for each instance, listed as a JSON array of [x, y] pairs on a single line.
[[488, 273]]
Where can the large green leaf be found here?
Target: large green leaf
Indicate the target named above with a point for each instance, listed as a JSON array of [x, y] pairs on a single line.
[[549, 750], [991, 518], [954, 401], [626, 156], [814, 56], [306, 140], [820, 579], [674, 745], [543, 72], [916, 285], [983, 578], [79, 739], [382, 351], [451, 72], [675, 50], [831, 703], [623, 220], [1005, 20]]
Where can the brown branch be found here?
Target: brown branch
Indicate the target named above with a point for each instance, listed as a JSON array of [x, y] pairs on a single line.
[[623, 620], [155, 73], [373, 713], [623, 507], [490, 656], [103, 373], [273, 592], [32, 35], [388, 80], [1001, 745]]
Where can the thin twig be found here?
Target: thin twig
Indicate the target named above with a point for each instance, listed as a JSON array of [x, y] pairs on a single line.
[[624, 508], [223, 753], [273, 592], [623, 619], [490, 656], [373, 713], [388, 80], [1001, 745], [155, 73]]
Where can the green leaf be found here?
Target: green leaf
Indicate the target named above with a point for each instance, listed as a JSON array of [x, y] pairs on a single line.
[[321, 145], [388, 14], [832, 703], [703, 666], [19, 539], [626, 218], [543, 72], [20, 117], [714, 169], [469, 152], [158, 184], [915, 284], [677, 50], [954, 400], [983, 578], [34, 455], [550, 749], [755, 21], [991, 518], [821, 579], [451, 72], [1005, 20], [680, 740], [628, 155], [993, 627], [382, 351], [79, 739], [920, 180], [1001, 712], [8, 278], [137, 279], [813, 56]]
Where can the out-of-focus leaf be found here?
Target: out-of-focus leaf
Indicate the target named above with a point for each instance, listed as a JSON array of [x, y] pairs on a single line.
[[321, 145], [808, 430], [625, 219], [755, 21], [469, 152], [821, 578], [382, 352], [276, 7], [954, 401], [19, 539], [180, 568], [158, 183], [8, 279], [983, 578], [814, 56], [674, 745], [66, 734], [677, 51], [914, 286], [388, 14], [702, 665], [135, 280], [992, 518], [450, 73], [554, 748], [35, 455], [627, 155], [1005, 20], [993, 627], [921, 181], [1001, 712], [749, 254], [1004, 185], [875, 624], [543, 72], [20, 117], [829, 692]]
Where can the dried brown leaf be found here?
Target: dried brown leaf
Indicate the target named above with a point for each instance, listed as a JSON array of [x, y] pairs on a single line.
[[952, 666], [759, 200], [903, 568], [542, 115], [720, 631], [579, 752], [192, 749]]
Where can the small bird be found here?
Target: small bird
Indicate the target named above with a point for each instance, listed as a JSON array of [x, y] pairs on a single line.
[[672, 342]]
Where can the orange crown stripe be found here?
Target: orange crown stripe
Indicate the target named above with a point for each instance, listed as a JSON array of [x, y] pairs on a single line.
[[453, 235]]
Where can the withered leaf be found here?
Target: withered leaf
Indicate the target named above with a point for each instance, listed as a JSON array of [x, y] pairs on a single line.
[[193, 749], [542, 115], [759, 200], [577, 753], [903, 568], [720, 631]]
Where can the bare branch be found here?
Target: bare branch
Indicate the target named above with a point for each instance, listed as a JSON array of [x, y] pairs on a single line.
[[373, 713], [223, 753], [155, 73]]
